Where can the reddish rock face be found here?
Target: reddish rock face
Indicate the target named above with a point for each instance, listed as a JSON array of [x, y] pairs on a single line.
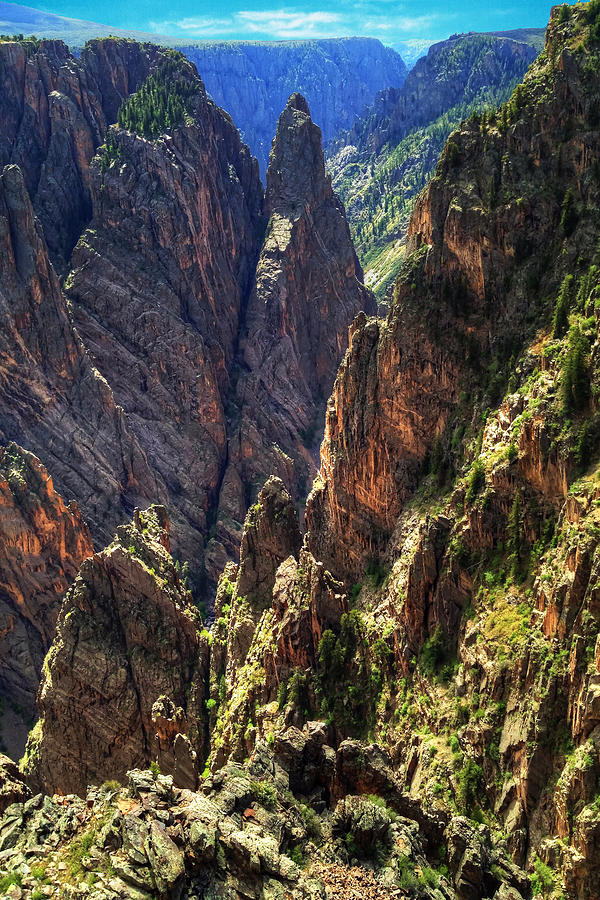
[[394, 392], [125, 675], [165, 283], [483, 238], [42, 544], [55, 110]]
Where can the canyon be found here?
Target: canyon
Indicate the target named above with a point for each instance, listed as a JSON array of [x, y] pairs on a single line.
[[397, 691]]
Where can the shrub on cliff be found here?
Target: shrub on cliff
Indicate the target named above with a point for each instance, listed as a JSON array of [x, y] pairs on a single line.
[[575, 377], [563, 305], [476, 481]]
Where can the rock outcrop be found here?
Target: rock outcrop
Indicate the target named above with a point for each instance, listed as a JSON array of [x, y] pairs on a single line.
[[124, 680], [55, 111], [307, 289], [245, 834], [42, 544], [13, 787], [157, 288], [457, 500]]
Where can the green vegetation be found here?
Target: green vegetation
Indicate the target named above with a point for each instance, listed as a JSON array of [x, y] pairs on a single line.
[[379, 206], [575, 377], [469, 783], [265, 794], [543, 880], [30, 44], [476, 481], [164, 101], [78, 850], [8, 880], [569, 215], [563, 305], [351, 673]]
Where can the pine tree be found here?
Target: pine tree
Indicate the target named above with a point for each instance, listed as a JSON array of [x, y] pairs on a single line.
[[575, 378], [563, 305]]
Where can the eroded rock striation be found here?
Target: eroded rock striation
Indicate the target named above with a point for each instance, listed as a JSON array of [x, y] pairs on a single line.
[[55, 110], [406, 701], [53, 400], [157, 288], [124, 681], [166, 295]]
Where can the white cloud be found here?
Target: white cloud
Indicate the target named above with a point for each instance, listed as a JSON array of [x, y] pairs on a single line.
[[283, 23], [361, 17], [192, 25], [399, 24]]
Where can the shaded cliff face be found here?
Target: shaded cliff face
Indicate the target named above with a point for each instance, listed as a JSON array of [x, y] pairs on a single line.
[[167, 297], [53, 122], [55, 111], [307, 289], [170, 318], [338, 77], [42, 544], [157, 288], [380, 165], [53, 400], [123, 682]]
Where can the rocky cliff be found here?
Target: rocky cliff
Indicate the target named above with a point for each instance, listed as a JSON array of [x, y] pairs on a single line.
[[166, 295], [380, 165], [55, 111], [307, 289], [157, 286], [42, 544], [252, 80], [125, 676], [53, 401]]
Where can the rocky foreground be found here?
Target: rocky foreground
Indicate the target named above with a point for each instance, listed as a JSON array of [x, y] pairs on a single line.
[[253, 831]]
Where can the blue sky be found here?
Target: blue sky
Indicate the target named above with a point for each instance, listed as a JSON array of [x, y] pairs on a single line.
[[386, 19]]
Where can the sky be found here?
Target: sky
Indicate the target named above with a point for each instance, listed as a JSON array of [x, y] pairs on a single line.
[[388, 20]]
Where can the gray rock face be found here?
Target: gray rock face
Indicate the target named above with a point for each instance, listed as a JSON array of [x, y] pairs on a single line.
[[338, 77], [160, 316], [126, 671], [54, 111], [53, 401], [307, 289]]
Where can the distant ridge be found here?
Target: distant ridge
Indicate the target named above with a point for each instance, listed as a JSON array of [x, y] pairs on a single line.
[[17, 19]]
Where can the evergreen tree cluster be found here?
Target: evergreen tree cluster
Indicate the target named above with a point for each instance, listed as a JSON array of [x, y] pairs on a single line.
[[29, 44], [162, 103]]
